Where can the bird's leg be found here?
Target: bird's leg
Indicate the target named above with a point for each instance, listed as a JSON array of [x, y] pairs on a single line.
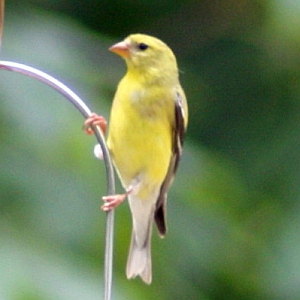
[[94, 120], [113, 201]]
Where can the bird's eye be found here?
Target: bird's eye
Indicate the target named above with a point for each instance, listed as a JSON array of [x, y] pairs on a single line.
[[143, 46]]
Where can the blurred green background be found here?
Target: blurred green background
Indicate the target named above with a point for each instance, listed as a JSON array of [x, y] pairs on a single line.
[[234, 208]]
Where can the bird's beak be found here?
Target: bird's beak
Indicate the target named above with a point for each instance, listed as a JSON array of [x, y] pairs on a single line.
[[122, 49]]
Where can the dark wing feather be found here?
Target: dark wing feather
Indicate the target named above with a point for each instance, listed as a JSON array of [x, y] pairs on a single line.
[[178, 136]]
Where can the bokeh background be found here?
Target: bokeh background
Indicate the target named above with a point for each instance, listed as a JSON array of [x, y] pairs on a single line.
[[234, 208]]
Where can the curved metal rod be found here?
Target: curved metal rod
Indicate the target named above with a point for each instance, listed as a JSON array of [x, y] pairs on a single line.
[[1, 19], [86, 112]]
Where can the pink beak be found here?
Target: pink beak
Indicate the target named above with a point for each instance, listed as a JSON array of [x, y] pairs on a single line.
[[121, 48]]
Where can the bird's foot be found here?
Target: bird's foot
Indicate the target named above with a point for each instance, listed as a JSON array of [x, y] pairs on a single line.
[[112, 201], [94, 120]]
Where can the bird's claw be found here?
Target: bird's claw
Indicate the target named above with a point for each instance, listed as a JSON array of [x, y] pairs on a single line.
[[112, 201], [94, 120]]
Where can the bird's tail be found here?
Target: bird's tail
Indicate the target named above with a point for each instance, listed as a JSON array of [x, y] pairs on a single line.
[[139, 259]]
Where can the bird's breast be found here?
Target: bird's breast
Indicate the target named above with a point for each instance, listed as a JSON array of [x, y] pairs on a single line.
[[140, 139]]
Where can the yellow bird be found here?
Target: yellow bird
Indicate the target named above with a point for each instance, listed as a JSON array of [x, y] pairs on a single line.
[[146, 130]]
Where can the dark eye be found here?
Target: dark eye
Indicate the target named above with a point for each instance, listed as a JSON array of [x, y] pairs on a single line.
[[143, 46]]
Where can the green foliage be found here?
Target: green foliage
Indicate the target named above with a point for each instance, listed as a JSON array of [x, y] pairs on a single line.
[[233, 211]]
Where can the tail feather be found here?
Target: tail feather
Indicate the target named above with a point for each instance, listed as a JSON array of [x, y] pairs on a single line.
[[139, 260]]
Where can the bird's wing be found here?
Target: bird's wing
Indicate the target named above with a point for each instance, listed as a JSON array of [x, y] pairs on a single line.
[[178, 136]]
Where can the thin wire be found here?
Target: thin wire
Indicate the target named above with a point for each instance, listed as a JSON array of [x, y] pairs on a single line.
[[86, 112], [1, 19]]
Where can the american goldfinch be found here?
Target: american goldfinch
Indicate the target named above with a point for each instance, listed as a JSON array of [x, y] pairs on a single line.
[[146, 130]]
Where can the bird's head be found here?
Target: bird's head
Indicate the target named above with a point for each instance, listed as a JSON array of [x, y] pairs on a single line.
[[145, 54]]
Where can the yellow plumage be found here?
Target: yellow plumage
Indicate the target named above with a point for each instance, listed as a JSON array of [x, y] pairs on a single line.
[[146, 127]]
